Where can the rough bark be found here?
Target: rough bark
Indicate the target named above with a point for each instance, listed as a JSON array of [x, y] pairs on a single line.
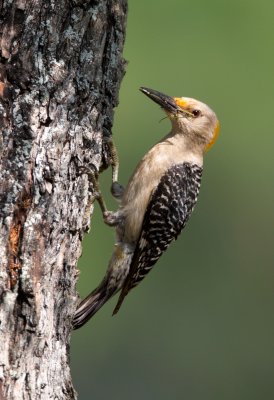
[[60, 70]]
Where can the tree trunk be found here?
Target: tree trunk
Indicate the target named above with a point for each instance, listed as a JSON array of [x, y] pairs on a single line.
[[60, 70]]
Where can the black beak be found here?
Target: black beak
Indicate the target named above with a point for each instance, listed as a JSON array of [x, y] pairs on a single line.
[[166, 102]]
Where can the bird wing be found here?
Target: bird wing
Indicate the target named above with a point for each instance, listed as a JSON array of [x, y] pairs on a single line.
[[168, 210]]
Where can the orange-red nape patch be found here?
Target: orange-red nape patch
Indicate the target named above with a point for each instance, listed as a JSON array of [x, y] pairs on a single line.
[[215, 136]]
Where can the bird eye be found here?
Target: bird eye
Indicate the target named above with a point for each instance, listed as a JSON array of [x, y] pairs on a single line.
[[196, 113]]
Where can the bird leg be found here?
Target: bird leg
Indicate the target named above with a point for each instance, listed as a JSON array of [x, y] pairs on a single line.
[[97, 194], [117, 190], [110, 218]]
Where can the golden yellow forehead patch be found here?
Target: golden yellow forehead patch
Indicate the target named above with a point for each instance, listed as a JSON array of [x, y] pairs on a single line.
[[180, 102], [215, 136]]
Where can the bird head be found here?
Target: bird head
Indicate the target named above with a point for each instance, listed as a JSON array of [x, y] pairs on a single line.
[[189, 117]]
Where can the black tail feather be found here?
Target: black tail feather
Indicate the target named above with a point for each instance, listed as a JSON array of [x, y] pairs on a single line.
[[88, 307]]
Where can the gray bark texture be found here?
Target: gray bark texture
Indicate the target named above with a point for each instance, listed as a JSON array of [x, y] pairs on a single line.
[[60, 70]]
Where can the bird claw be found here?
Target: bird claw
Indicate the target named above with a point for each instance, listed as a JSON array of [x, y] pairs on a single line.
[[110, 218], [90, 171]]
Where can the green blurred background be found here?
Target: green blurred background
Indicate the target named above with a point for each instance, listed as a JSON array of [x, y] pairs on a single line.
[[201, 324]]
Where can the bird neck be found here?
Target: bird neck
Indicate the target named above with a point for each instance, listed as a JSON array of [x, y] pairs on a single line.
[[184, 147]]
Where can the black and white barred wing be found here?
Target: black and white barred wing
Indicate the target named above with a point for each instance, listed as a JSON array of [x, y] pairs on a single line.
[[170, 207]]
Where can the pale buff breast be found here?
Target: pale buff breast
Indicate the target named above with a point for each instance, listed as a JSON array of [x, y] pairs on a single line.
[[146, 178]]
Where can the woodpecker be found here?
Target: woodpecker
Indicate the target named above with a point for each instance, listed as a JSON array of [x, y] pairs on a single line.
[[157, 201]]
